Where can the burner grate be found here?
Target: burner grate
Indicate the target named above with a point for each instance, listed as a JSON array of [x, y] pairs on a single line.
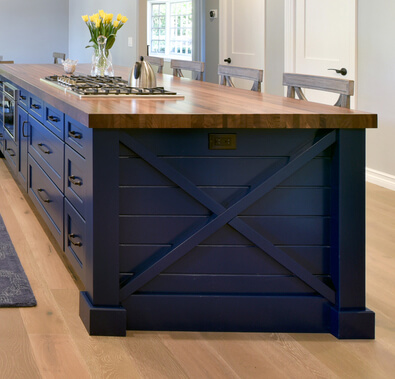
[[106, 85]]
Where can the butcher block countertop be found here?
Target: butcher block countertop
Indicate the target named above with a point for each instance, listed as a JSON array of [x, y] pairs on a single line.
[[205, 105]]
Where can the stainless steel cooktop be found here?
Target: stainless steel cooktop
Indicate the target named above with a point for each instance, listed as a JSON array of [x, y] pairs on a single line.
[[86, 86]]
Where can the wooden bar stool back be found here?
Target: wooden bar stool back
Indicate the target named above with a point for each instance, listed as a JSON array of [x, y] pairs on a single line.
[[297, 82], [194, 66], [7, 62], [58, 56], [226, 74], [155, 61]]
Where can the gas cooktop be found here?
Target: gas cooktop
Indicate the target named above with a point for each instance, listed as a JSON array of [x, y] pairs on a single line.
[[86, 86]]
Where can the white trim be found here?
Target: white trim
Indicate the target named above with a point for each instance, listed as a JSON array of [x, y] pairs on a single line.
[[289, 35], [382, 179]]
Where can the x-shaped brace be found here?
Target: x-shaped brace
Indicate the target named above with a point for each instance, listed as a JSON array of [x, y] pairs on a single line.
[[222, 216]]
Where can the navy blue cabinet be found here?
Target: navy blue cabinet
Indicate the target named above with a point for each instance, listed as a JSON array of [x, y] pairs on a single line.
[[168, 234]]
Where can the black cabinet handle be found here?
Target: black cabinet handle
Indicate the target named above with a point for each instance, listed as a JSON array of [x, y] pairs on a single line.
[[23, 129], [1, 135], [40, 193], [53, 118], [22, 97], [41, 147], [74, 134], [73, 179], [11, 152], [35, 106], [71, 237]]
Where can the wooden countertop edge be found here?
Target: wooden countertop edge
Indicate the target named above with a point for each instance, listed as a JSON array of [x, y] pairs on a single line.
[[271, 120]]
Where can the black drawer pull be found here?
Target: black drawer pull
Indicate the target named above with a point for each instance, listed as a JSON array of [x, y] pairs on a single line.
[[40, 193], [71, 237], [41, 147], [53, 118], [35, 106], [74, 134], [1, 135], [73, 179], [22, 97], [11, 152], [23, 129]]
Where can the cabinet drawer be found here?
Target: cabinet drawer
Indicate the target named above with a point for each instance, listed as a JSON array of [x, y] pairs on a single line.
[[47, 150], [23, 100], [75, 180], [54, 120], [75, 239], [47, 198], [76, 135], [36, 107], [10, 151]]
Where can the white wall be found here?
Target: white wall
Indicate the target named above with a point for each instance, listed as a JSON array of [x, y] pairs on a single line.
[[32, 30], [79, 34], [376, 82]]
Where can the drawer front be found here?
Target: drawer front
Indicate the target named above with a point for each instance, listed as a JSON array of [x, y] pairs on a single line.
[[48, 150], [75, 239], [47, 198], [54, 120], [10, 151], [76, 135], [75, 180], [36, 107], [23, 98]]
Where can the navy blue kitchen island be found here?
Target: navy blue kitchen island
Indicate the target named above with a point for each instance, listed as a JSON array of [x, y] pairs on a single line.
[[224, 210]]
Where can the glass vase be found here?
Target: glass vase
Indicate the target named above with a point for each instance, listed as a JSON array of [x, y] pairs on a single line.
[[102, 59]]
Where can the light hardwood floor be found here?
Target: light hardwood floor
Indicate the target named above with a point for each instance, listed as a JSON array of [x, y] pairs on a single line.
[[50, 341]]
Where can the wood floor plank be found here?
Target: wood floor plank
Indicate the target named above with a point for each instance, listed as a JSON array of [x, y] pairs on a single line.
[[16, 355], [105, 357], [267, 355], [179, 344], [152, 358], [57, 357]]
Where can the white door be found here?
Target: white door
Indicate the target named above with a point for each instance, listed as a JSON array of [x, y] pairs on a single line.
[[242, 35], [321, 36]]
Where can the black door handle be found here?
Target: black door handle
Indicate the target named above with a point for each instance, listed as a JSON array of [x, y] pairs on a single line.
[[342, 71], [228, 60]]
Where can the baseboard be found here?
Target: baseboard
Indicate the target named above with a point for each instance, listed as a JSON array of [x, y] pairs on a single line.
[[382, 179]]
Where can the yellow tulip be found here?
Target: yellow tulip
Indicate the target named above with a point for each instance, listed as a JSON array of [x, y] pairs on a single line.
[[124, 19], [94, 17], [119, 17], [85, 18], [98, 22], [108, 18], [102, 14], [116, 23]]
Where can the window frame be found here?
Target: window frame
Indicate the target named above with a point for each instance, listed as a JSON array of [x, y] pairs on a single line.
[[168, 55]]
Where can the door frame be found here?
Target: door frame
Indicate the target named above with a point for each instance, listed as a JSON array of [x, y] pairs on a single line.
[[223, 6], [290, 41]]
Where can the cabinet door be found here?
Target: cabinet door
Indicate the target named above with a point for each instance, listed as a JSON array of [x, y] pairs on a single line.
[[23, 143], [1, 138]]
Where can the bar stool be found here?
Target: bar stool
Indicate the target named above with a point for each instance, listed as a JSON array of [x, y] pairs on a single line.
[[297, 82], [194, 66], [227, 72], [58, 56], [155, 61], [6, 62]]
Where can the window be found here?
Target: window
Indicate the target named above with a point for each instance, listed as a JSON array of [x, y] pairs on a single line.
[[170, 28]]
